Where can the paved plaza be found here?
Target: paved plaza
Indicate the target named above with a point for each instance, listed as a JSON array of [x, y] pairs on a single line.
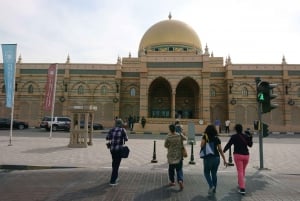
[[39, 168]]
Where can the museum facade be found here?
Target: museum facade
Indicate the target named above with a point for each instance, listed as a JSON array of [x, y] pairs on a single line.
[[172, 77]]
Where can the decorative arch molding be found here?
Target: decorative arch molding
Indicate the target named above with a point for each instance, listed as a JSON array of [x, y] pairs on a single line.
[[160, 98], [75, 86], [109, 86], [37, 90]]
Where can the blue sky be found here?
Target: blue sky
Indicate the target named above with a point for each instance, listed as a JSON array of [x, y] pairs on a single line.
[[98, 31]]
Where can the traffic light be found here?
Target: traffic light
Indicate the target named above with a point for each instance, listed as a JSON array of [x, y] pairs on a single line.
[[265, 95], [262, 91], [268, 106], [265, 130]]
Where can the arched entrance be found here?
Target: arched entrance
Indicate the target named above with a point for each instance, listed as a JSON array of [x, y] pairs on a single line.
[[187, 96], [159, 98]]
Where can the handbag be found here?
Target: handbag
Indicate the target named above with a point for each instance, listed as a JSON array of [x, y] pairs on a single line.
[[125, 152], [184, 152], [207, 150]]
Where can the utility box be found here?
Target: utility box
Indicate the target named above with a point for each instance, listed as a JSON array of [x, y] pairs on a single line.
[[81, 127]]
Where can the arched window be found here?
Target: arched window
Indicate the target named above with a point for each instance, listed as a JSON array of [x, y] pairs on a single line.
[[213, 92], [103, 90], [80, 90], [132, 92], [30, 89], [244, 91]]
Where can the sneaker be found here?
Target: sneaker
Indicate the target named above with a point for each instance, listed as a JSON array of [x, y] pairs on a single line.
[[180, 185], [172, 184], [113, 183], [211, 190], [242, 191]]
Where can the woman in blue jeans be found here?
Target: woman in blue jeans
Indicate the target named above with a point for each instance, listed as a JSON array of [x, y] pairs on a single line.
[[211, 162]]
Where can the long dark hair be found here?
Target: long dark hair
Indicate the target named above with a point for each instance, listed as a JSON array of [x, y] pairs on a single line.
[[238, 128], [211, 131]]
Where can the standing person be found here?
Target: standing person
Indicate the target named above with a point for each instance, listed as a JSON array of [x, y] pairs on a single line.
[[130, 122], [178, 127], [211, 163], [116, 137], [227, 124], [218, 125], [174, 144], [143, 122], [241, 143]]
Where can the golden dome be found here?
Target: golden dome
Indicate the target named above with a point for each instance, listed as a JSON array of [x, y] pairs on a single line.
[[170, 33]]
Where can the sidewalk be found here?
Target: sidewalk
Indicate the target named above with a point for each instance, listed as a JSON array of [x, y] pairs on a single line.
[[140, 180]]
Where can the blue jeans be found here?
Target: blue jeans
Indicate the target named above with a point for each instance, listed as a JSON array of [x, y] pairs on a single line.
[[116, 161], [211, 165], [179, 172]]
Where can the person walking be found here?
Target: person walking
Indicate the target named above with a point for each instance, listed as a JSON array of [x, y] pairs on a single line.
[[241, 143], [116, 137], [211, 163], [174, 144]]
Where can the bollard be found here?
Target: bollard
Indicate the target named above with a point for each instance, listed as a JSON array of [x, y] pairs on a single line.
[[154, 153], [230, 158], [192, 162]]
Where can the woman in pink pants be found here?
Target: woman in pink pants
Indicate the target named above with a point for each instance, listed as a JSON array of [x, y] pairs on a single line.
[[241, 143]]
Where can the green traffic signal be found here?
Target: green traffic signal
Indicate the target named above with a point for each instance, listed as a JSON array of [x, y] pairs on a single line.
[[261, 97], [262, 91]]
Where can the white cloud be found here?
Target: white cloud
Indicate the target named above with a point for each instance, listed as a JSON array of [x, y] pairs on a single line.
[[91, 31]]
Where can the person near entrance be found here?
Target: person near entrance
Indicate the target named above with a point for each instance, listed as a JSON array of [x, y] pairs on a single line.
[[143, 122], [218, 125], [227, 124], [178, 127]]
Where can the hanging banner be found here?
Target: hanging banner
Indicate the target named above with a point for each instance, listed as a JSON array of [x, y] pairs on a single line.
[[50, 87], [9, 64]]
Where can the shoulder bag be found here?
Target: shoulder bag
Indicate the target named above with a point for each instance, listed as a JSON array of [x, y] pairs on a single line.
[[207, 149]]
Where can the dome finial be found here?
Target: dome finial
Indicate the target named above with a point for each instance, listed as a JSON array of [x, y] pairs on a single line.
[[283, 60], [170, 16]]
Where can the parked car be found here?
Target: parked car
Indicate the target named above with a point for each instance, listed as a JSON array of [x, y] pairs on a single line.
[[58, 123], [5, 124], [96, 126]]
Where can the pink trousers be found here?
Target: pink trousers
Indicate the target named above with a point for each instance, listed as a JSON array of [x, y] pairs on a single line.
[[241, 162]]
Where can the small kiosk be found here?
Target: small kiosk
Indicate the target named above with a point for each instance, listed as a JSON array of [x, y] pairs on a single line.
[[81, 130]]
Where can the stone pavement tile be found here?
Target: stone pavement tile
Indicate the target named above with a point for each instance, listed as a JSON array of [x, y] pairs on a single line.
[[86, 184]]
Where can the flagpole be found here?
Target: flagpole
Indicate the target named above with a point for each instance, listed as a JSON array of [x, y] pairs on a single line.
[[12, 111], [53, 100], [9, 67]]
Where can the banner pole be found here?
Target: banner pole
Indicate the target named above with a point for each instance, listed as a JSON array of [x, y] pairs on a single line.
[[53, 101]]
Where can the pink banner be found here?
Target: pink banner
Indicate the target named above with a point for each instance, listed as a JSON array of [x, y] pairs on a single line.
[[50, 87]]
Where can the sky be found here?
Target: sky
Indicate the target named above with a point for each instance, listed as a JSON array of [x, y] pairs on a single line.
[[100, 31]]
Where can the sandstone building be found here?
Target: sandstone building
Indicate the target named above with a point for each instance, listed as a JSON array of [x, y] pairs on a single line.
[[173, 76]]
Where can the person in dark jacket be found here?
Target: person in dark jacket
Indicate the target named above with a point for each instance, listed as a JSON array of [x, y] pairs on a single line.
[[241, 143]]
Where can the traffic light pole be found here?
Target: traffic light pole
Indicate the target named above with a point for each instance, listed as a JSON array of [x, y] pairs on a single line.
[[261, 155]]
